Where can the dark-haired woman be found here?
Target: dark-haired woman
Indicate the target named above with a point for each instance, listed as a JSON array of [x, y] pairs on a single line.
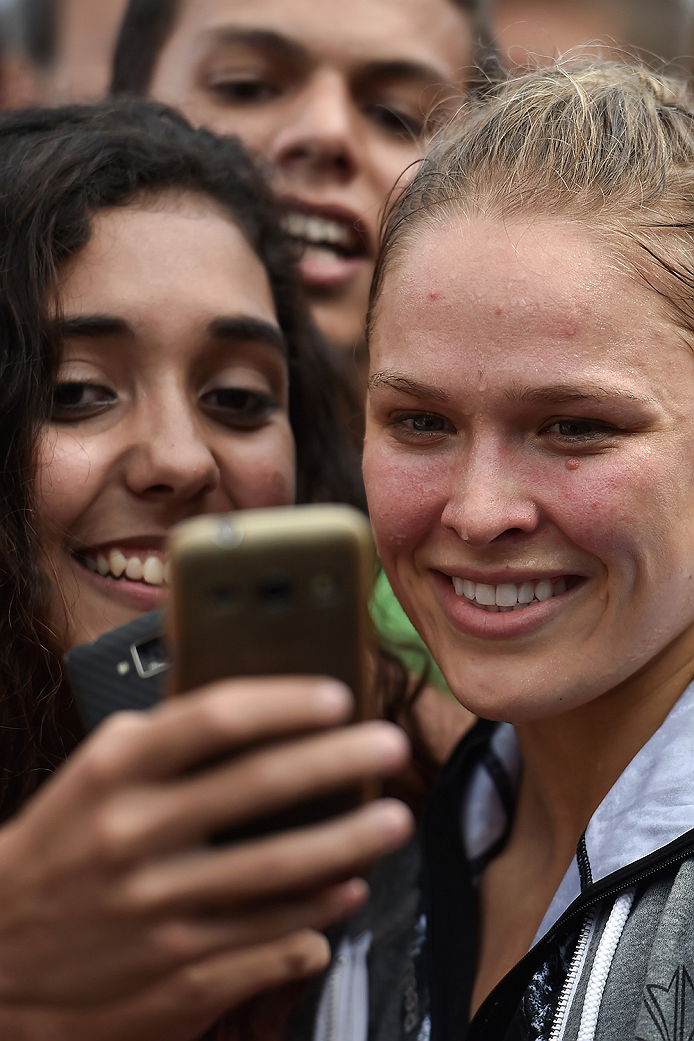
[[155, 365]]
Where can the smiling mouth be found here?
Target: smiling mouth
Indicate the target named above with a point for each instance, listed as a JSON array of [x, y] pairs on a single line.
[[126, 565], [509, 596], [323, 238]]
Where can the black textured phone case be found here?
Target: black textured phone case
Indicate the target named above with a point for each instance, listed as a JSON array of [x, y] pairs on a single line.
[[121, 670]]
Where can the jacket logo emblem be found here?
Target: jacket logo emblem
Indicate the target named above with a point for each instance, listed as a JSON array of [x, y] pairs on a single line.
[[671, 1008]]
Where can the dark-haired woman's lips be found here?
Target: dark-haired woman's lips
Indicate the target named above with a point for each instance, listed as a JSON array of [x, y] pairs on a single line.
[[135, 575], [331, 245]]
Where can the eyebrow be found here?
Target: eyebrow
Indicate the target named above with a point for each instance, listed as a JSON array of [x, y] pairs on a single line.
[[555, 394], [91, 326], [398, 381], [291, 50], [566, 392], [233, 329], [262, 40], [244, 329]]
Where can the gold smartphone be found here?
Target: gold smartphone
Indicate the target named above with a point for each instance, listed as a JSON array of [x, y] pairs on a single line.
[[275, 592]]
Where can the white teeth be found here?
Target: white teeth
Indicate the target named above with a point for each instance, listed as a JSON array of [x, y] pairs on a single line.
[[544, 589], [153, 571], [318, 230], [117, 562], [506, 595], [134, 569], [526, 593], [485, 595], [102, 564]]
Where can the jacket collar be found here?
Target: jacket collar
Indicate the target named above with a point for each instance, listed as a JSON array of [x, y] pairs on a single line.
[[659, 777]]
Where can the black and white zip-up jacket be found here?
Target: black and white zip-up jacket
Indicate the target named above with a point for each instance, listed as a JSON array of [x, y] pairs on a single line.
[[614, 957]]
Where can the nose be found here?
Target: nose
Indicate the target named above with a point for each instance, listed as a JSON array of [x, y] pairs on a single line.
[[487, 501], [321, 139], [170, 457]]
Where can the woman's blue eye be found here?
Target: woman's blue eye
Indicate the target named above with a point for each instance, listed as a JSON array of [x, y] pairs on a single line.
[[238, 407], [577, 428], [74, 400]]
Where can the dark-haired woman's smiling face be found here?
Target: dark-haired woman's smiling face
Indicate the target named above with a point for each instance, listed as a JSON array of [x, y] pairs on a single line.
[[529, 463], [172, 400]]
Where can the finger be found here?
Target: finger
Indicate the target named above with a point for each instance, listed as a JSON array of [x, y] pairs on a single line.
[[139, 824], [227, 716], [184, 1005], [188, 940], [296, 860]]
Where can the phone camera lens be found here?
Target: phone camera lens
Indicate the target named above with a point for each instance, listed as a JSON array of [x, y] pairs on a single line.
[[324, 588], [224, 599], [275, 593]]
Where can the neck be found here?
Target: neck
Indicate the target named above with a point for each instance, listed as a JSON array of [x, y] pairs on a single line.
[[572, 760]]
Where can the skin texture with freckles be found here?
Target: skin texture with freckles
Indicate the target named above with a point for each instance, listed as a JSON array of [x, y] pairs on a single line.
[[334, 100], [485, 317], [162, 440]]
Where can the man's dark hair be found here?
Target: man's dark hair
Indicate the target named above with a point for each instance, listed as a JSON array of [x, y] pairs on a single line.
[[58, 167], [37, 29], [148, 23]]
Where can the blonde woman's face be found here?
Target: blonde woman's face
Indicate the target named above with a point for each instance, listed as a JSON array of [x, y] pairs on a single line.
[[530, 463]]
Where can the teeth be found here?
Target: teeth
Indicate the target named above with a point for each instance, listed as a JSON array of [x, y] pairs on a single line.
[[507, 596], [544, 589], [137, 568], [314, 229], [134, 569], [153, 571], [526, 593], [485, 595], [117, 563]]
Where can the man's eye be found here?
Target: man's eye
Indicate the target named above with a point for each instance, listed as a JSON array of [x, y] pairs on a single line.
[[73, 401], [238, 407], [244, 91], [397, 123]]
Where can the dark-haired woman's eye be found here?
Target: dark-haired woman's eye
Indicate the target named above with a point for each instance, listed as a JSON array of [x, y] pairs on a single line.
[[422, 424], [579, 431], [74, 401], [238, 407]]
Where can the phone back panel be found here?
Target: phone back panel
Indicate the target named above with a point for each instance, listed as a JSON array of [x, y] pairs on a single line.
[[267, 592]]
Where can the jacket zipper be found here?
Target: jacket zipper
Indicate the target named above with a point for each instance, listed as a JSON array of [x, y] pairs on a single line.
[[573, 974], [581, 905]]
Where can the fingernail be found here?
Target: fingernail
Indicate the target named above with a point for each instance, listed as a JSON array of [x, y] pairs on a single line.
[[332, 699]]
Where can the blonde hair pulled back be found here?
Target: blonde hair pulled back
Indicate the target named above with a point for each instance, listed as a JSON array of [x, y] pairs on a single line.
[[606, 145]]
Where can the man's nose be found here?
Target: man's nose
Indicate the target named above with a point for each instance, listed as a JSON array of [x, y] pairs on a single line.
[[322, 139]]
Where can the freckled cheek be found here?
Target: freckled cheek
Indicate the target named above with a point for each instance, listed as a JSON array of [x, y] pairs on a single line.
[[261, 473], [405, 498], [617, 514], [66, 479]]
